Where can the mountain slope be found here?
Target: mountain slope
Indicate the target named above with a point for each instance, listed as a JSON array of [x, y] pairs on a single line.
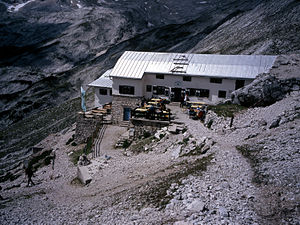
[[270, 28]]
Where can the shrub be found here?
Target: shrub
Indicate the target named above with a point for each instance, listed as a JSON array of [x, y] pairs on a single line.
[[126, 144], [226, 110], [147, 134]]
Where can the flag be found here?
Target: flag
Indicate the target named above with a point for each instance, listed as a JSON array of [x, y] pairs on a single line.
[[83, 99]]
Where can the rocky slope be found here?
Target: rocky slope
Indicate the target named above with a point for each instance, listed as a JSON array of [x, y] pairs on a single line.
[[269, 28], [250, 175]]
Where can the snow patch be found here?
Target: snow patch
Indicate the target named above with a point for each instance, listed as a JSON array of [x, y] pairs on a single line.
[[15, 8], [79, 6]]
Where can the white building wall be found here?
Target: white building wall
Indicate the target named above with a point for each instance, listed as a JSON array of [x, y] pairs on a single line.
[[100, 100], [137, 84], [176, 81]]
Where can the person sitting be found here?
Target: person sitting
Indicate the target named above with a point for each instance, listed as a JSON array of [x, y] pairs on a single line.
[[152, 112], [192, 112]]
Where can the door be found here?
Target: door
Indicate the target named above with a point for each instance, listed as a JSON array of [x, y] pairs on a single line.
[[239, 84], [177, 94], [127, 113]]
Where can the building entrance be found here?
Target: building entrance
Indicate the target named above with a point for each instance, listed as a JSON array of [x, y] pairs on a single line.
[[176, 94], [127, 114]]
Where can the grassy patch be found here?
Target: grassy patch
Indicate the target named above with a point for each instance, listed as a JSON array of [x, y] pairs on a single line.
[[156, 192], [226, 110], [126, 144], [86, 150], [139, 145], [252, 154], [77, 182]]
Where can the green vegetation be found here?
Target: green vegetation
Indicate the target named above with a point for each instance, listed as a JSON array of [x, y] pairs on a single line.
[[139, 145], [185, 141], [252, 154], [77, 182], [146, 134], [226, 109], [86, 150], [156, 194], [126, 144]]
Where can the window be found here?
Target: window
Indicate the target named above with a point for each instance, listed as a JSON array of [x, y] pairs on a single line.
[[204, 93], [102, 91], [126, 90], [149, 88], [160, 90], [110, 92], [239, 84], [187, 78], [216, 80], [222, 94], [192, 92], [160, 76]]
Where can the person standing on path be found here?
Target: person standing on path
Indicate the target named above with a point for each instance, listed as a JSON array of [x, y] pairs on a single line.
[[53, 156], [29, 174]]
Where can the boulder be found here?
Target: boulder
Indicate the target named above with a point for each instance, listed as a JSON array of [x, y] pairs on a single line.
[[265, 90], [176, 152], [83, 175], [275, 123], [196, 206]]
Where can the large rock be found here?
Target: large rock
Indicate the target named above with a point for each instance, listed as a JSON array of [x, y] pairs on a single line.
[[83, 175], [196, 206], [261, 92], [264, 90]]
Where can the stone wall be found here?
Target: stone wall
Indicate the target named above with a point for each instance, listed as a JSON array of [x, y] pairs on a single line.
[[121, 102], [86, 126]]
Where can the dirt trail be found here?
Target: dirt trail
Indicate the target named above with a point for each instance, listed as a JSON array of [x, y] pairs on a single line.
[[126, 184]]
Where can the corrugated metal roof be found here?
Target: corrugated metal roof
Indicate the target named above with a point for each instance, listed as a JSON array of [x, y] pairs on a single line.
[[134, 64], [103, 81]]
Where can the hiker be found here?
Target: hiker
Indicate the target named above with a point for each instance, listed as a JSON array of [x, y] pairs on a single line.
[[186, 99], [53, 156], [231, 121], [152, 112], [143, 102], [200, 114], [181, 101], [29, 174]]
